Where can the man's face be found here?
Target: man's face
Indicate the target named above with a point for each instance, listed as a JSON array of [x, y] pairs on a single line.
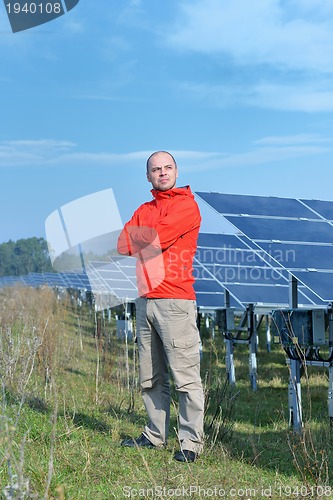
[[162, 172]]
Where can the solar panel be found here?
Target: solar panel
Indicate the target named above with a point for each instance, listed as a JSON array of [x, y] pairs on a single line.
[[38, 279], [256, 205], [29, 281], [273, 229], [322, 208], [260, 294], [320, 282], [249, 273], [117, 277], [305, 256], [11, 280], [211, 301]]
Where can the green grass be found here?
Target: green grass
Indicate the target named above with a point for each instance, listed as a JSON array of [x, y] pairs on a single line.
[[83, 398]]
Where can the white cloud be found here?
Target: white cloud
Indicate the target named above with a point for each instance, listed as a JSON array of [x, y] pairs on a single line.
[[293, 140], [289, 36], [54, 153], [270, 154], [31, 152], [50, 152], [299, 96], [284, 49], [264, 151]]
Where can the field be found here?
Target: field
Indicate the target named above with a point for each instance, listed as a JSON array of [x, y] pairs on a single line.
[[70, 394]]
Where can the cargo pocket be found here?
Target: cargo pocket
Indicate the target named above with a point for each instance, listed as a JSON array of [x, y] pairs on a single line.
[[186, 363], [185, 343], [186, 351]]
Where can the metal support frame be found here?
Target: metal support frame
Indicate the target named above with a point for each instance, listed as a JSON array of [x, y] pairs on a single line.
[[248, 324], [229, 345], [229, 361], [253, 343], [330, 393], [294, 388], [330, 368], [268, 334], [294, 392], [124, 325], [293, 292], [295, 396]]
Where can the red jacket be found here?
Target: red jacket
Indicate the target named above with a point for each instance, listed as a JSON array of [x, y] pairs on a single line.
[[163, 235]]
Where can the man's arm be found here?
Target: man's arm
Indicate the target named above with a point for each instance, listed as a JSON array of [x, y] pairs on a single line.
[[125, 244], [183, 216], [138, 240]]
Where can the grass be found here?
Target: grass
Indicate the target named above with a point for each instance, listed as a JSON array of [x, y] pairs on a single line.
[[69, 398]]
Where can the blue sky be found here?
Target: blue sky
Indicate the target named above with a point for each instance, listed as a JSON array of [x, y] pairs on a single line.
[[240, 92]]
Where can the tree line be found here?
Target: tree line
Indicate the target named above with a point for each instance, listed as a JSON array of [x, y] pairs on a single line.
[[24, 256]]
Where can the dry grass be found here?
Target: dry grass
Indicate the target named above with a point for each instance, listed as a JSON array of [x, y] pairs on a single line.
[[68, 397]]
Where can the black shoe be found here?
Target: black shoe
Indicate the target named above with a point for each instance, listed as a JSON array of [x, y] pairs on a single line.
[[141, 442], [185, 456]]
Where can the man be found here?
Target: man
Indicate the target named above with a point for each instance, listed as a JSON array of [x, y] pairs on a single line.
[[163, 234]]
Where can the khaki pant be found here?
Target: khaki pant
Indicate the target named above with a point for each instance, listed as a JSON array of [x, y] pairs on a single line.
[[168, 337]]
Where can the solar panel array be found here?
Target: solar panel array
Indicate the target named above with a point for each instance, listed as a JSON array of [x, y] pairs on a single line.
[[75, 280], [289, 236], [111, 283], [227, 262], [116, 276], [266, 239]]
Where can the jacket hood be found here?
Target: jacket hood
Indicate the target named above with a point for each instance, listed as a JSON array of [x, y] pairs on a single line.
[[170, 193]]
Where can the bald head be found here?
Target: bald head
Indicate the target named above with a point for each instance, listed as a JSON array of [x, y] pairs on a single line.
[[162, 170], [151, 157]]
